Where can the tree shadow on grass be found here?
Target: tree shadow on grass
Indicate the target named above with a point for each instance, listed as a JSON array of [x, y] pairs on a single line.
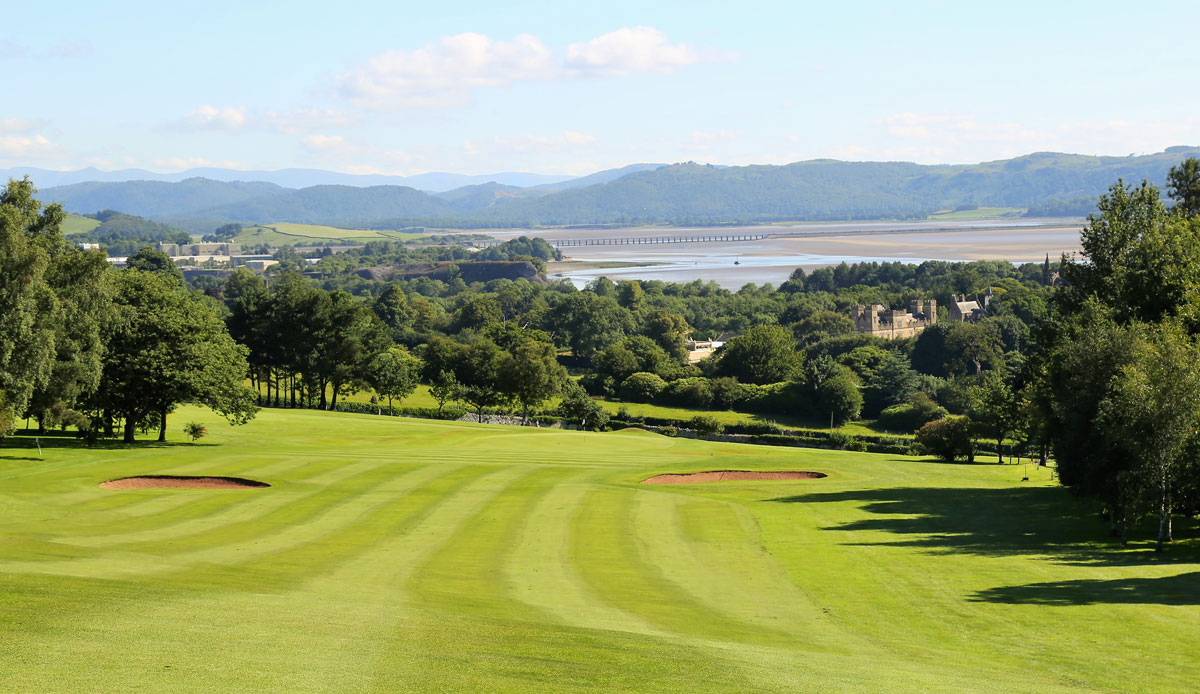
[[1182, 589], [1043, 521], [26, 443]]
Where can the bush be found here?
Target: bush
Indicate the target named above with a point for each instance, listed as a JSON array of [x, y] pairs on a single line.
[[642, 387], [912, 415], [948, 439], [695, 392], [577, 408], [668, 430], [706, 426], [194, 430]]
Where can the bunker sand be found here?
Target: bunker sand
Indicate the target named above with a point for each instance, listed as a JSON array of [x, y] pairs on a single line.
[[182, 482]]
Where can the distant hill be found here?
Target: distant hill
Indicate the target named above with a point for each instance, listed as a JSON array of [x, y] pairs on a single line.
[[478, 197], [154, 198], [333, 205], [596, 178], [286, 178], [823, 189]]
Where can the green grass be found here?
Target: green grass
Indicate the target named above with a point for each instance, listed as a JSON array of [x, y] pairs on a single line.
[[281, 233], [398, 555], [422, 398], [75, 224], [978, 213]]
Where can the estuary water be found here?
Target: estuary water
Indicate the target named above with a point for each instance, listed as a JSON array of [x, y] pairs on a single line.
[[772, 259]]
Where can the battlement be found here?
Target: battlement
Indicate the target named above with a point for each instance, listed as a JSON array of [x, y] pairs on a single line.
[[895, 323]]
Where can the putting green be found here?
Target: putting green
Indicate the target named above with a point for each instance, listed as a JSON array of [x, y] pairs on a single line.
[[408, 555]]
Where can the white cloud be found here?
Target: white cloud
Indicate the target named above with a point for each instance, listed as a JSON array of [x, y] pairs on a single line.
[[442, 73], [211, 118], [239, 118], [630, 49], [27, 147], [20, 126]]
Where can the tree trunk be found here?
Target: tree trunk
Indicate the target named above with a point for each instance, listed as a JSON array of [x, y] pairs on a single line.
[[1164, 514], [333, 402], [129, 424], [292, 387], [108, 424], [162, 426], [1000, 450], [321, 403]]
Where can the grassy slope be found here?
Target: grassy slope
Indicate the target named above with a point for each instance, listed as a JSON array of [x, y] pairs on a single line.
[[422, 398], [313, 234], [76, 224], [407, 555]]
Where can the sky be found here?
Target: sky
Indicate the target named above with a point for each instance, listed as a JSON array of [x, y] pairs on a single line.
[[570, 88]]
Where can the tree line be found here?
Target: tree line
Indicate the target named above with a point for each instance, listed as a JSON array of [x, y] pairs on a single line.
[[84, 345]]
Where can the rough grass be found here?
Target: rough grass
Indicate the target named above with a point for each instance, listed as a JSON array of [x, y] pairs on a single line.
[[76, 224], [409, 555], [288, 233]]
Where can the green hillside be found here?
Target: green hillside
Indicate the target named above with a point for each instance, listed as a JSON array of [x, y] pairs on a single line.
[[1046, 183], [409, 555], [286, 233], [78, 224]]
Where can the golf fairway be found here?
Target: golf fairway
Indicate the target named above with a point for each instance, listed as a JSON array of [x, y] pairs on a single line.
[[393, 555]]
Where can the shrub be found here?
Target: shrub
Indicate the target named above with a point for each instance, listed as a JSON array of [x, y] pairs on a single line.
[[642, 387], [688, 392], [948, 439], [668, 430], [912, 415], [194, 430], [705, 425]]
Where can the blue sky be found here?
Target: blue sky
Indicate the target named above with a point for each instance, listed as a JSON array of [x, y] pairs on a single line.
[[554, 87]]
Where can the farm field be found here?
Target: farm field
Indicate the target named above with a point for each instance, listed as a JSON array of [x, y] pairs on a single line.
[[78, 224], [287, 233], [410, 555]]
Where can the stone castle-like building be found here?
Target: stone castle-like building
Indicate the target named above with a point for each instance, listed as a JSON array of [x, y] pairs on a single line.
[[893, 323]]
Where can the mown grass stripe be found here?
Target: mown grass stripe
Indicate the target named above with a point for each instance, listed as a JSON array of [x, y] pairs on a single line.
[[466, 573], [609, 552], [270, 513]]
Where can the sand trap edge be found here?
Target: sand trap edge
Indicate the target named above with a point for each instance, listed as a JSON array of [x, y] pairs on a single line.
[[732, 475], [182, 482]]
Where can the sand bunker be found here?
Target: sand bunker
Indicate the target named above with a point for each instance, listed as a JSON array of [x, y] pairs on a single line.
[[182, 482], [730, 475]]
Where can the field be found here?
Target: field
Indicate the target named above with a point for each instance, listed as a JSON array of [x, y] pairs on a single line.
[[76, 224], [977, 213], [410, 555], [287, 233]]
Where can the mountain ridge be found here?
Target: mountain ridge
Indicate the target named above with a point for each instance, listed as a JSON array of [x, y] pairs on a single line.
[[685, 193]]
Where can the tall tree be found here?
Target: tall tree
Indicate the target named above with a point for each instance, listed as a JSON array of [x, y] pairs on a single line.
[[1183, 185], [28, 307], [1152, 415], [394, 373], [531, 374], [164, 347], [764, 354]]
